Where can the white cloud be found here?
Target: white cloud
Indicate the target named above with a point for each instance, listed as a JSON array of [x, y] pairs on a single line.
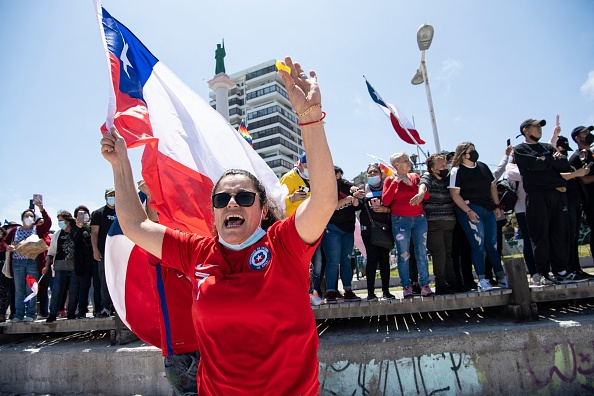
[[587, 88], [450, 69]]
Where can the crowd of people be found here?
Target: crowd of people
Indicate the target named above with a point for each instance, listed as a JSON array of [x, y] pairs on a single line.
[[65, 268]]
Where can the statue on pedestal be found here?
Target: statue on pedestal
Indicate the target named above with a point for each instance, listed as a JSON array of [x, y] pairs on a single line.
[[220, 58]]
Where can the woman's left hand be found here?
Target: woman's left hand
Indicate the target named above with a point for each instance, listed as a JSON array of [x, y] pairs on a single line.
[[303, 92]]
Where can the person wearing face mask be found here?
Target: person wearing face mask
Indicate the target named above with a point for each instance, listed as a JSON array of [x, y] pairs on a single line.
[[540, 165], [22, 265], [101, 221], [61, 254], [583, 137], [255, 328], [376, 255], [473, 190], [441, 220]]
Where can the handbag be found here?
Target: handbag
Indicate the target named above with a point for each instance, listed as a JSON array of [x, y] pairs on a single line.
[[7, 268], [31, 247], [381, 234]]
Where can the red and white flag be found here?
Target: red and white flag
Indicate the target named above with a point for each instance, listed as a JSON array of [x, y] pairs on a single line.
[[33, 285], [188, 146]]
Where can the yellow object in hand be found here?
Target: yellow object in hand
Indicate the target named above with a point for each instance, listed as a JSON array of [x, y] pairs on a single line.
[[281, 66]]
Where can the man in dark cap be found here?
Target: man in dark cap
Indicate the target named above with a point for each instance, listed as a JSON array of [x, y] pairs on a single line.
[[583, 156], [540, 165]]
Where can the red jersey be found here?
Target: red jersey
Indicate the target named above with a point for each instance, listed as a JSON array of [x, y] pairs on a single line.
[[398, 195], [256, 330]]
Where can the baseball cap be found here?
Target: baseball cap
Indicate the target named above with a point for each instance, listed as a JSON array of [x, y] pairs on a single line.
[[563, 142], [531, 122], [109, 190], [303, 158], [577, 130]]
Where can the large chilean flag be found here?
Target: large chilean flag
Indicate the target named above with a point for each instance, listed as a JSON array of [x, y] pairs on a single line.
[[188, 145]]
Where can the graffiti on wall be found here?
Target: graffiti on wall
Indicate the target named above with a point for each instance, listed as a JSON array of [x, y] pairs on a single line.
[[560, 363], [446, 373]]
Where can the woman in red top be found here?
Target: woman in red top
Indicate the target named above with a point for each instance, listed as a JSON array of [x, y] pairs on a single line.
[[251, 310], [408, 220]]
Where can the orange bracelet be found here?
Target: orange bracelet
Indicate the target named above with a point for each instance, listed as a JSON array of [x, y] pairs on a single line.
[[313, 122]]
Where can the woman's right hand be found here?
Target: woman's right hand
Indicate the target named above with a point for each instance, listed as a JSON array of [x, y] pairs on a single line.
[[113, 146], [45, 270], [473, 216], [10, 248]]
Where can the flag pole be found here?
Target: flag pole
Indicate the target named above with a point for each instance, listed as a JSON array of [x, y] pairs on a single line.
[[398, 119]]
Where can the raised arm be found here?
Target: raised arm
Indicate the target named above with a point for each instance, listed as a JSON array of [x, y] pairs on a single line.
[[131, 214], [313, 215]]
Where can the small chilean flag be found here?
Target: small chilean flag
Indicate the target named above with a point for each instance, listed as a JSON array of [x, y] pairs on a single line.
[[33, 285], [405, 130], [188, 146]]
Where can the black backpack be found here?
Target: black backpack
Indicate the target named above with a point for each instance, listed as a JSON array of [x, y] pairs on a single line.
[[507, 195]]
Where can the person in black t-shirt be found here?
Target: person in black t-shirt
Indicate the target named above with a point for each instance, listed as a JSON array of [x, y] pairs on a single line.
[[472, 187], [540, 165], [583, 156], [101, 221]]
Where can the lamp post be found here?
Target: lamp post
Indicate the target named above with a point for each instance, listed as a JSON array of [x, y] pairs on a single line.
[[424, 38]]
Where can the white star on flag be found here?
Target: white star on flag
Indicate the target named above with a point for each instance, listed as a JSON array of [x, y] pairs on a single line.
[[124, 59]]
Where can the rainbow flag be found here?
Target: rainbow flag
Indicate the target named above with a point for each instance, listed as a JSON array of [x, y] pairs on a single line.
[[385, 167], [244, 132]]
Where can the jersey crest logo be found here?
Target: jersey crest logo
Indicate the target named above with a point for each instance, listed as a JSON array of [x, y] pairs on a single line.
[[259, 258]]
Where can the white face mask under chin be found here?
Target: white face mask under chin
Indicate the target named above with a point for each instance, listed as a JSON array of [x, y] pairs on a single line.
[[255, 237]]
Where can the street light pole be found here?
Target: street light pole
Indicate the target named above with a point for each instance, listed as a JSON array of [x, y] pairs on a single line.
[[424, 38], [430, 102]]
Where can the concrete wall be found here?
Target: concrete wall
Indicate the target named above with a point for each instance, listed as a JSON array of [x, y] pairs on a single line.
[[545, 357]]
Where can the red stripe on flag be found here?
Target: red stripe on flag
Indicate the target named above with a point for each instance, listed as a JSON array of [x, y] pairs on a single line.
[[402, 132], [141, 301], [180, 195]]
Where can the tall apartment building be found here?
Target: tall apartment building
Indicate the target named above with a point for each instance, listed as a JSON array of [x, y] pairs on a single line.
[[261, 99]]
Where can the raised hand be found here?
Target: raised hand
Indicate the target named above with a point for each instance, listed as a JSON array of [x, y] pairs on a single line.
[[303, 92], [113, 146]]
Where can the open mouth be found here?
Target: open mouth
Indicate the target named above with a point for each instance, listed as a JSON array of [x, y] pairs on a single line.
[[234, 220]]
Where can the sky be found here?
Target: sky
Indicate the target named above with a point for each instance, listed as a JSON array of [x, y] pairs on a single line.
[[491, 65]]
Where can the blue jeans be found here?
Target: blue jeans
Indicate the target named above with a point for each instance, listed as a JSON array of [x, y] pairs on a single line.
[[403, 228], [338, 246], [64, 281], [20, 269], [316, 275], [481, 236]]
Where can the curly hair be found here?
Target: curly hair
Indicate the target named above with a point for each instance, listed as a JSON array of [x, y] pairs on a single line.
[[273, 214], [67, 216]]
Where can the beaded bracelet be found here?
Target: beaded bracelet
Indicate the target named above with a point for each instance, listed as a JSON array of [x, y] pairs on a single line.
[[306, 112], [313, 122]]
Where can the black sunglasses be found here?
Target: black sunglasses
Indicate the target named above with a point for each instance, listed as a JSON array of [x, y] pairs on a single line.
[[243, 198]]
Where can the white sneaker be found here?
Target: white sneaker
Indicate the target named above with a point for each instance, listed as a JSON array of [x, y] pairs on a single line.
[[28, 319], [502, 283], [15, 320], [484, 285], [315, 299]]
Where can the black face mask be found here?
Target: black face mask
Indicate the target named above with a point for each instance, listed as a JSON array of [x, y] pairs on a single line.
[[443, 173], [473, 156], [536, 139], [589, 139]]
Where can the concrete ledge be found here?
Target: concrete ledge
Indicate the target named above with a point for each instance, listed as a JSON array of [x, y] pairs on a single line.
[[572, 291], [59, 326]]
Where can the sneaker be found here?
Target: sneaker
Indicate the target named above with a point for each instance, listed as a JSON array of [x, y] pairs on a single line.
[[426, 291], [587, 275], [28, 319], [484, 285], [407, 292], [349, 296], [576, 277], [562, 279], [339, 295], [15, 320], [315, 299], [389, 296], [371, 297], [502, 283], [331, 297], [62, 314], [50, 318], [104, 313], [442, 290], [416, 289], [493, 282]]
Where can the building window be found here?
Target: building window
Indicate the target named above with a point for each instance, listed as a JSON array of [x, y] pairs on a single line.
[[261, 72], [280, 162], [274, 131], [235, 110], [269, 121], [275, 141], [270, 110], [267, 90]]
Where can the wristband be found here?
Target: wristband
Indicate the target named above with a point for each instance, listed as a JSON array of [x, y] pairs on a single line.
[[499, 206], [313, 122], [469, 210]]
